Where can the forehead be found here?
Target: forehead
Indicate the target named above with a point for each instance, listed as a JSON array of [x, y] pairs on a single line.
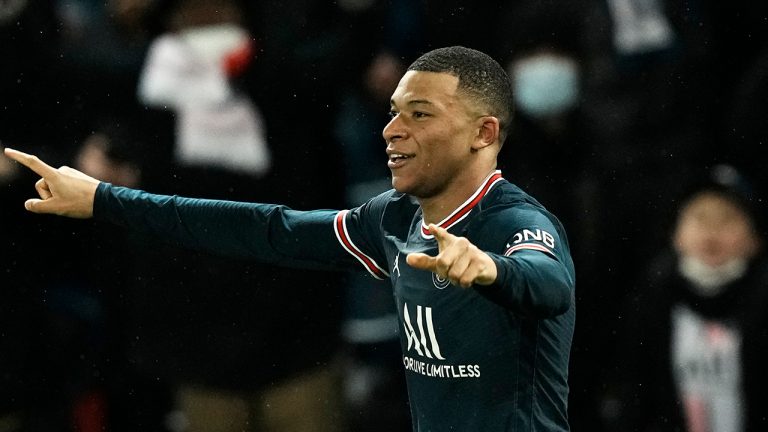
[[431, 87], [712, 206]]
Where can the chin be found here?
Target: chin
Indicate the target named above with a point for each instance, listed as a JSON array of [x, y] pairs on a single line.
[[402, 186], [398, 185], [418, 191]]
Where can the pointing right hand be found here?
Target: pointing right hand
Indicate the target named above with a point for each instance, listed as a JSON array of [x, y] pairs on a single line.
[[64, 191]]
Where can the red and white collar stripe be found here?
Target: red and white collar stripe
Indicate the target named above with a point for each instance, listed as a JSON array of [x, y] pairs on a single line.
[[463, 211]]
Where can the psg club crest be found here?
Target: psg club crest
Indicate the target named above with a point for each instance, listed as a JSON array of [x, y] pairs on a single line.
[[439, 282]]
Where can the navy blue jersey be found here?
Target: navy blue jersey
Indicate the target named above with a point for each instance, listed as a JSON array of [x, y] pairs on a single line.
[[489, 358]]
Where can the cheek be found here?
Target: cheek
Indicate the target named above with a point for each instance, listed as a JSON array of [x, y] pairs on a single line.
[[449, 150], [442, 163], [695, 240], [716, 249], [739, 244], [685, 241]]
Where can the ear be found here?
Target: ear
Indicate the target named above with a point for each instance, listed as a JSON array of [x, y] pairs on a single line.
[[487, 132]]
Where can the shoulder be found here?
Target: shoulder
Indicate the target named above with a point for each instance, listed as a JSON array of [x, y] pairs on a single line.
[[388, 201], [388, 209], [511, 207], [510, 220]]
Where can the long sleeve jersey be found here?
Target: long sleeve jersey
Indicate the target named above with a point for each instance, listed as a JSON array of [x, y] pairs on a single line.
[[490, 358]]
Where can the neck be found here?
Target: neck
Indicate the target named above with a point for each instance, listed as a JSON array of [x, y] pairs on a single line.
[[438, 207]]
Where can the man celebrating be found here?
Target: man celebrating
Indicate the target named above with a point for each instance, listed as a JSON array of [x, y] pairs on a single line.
[[481, 272]]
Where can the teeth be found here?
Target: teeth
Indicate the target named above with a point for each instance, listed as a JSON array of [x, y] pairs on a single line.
[[398, 156]]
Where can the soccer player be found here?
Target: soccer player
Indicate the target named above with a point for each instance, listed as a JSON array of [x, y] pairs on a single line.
[[481, 272]]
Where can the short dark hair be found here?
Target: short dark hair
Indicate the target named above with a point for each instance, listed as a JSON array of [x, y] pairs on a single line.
[[480, 76], [731, 184]]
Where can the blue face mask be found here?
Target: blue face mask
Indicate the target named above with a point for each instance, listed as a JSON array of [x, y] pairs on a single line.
[[545, 85]]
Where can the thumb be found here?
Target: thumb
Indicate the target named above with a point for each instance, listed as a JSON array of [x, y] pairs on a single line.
[[41, 206], [421, 261], [35, 205]]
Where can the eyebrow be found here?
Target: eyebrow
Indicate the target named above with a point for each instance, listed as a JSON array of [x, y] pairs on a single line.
[[413, 102]]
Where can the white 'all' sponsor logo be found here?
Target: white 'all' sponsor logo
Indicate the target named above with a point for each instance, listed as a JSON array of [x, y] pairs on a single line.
[[422, 337]]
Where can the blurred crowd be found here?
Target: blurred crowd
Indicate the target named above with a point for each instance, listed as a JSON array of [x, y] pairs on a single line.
[[638, 122]]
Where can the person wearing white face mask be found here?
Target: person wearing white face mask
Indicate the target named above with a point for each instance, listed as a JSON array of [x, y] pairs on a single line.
[[692, 357], [715, 240], [546, 84]]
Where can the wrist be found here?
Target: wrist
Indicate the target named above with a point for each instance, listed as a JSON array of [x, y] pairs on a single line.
[[490, 272]]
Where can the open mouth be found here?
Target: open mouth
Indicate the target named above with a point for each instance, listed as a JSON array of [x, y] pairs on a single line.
[[397, 160], [396, 157]]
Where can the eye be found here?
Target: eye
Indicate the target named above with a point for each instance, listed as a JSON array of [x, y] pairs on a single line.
[[419, 114], [392, 113]]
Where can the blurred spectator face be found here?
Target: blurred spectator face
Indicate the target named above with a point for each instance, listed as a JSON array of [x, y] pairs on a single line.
[[94, 160], [383, 75], [715, 232], [546, 83]]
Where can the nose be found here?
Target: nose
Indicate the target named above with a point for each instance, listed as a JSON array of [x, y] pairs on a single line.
[[394, 130]]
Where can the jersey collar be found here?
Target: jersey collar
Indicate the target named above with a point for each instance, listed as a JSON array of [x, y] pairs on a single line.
[[460, 213]]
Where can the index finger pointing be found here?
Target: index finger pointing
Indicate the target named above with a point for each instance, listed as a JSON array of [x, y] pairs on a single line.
[[30, 161], [441, 235]]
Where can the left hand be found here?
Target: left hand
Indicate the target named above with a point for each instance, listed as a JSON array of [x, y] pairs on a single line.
[[64, 191], [458, 260]]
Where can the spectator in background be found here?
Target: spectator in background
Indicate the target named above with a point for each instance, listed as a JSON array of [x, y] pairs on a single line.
[[655, 78], [240, 351], [694, 347], [642, 93], [190, 70], [658, 74], [111, 152]]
